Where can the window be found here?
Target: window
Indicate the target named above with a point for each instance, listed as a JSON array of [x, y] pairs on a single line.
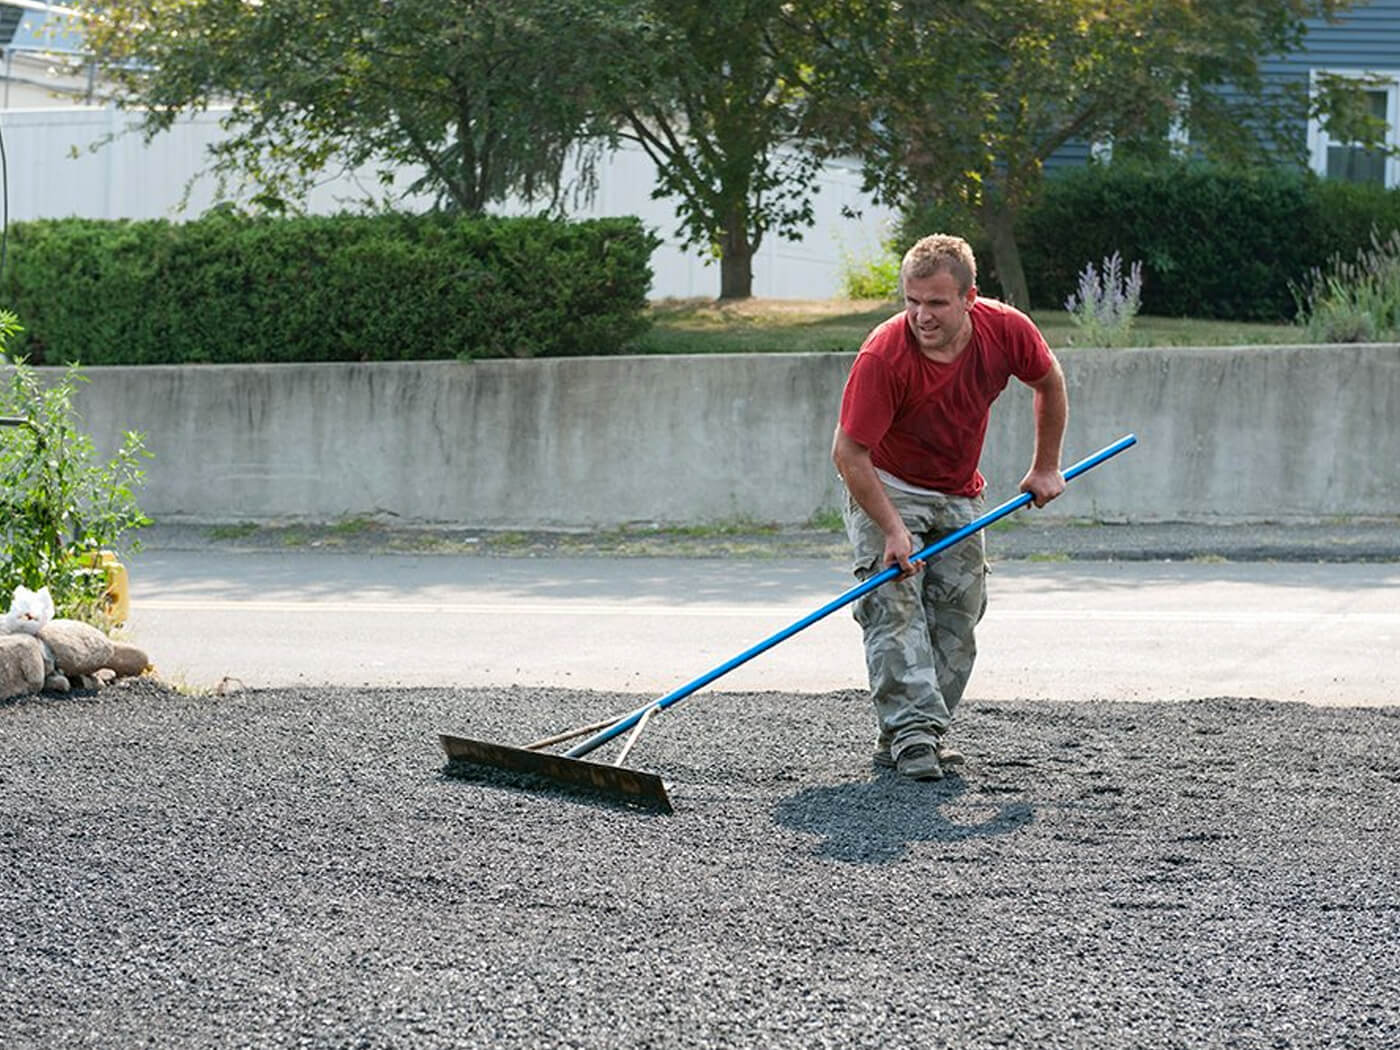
[[1350, 162]]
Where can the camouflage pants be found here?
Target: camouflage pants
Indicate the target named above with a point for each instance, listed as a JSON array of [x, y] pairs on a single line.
[[919, 644]]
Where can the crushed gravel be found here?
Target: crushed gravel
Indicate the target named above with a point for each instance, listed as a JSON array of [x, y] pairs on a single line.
[[294, 868]]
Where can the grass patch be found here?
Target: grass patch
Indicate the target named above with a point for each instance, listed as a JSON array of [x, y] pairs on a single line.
[[240, 531], [707, 326], [352, 527], [508, 541], [732, 527], [1060, 332], [293, 536], [1011, 521], [333, 534], [178, 683], [740, 526]]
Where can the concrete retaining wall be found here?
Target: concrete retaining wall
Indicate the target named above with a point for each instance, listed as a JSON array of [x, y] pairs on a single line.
[[1275, 433]]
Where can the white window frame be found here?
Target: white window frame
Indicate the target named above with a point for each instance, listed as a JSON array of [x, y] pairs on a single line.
[[1318, 139]]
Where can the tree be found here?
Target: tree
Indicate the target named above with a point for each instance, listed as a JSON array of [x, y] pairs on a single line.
[[964, 102], [713, 98], [485, 97]]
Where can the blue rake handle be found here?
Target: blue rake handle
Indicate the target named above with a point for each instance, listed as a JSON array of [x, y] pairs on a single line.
[[626, 722]]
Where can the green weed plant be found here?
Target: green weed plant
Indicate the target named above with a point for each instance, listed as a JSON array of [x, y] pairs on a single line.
[[59, 503], [1354, 301], [874, 277]]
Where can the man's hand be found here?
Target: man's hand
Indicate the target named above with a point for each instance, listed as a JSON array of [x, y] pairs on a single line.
[[898, 548], [1043, 485]]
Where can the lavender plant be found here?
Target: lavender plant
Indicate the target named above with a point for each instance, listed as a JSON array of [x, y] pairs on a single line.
[[1106, 303]]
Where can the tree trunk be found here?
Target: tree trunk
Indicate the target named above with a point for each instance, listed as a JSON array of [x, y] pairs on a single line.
[[736, 258], [998, 220]]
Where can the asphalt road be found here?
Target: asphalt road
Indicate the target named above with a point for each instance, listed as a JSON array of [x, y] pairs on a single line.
[[1323, 632]]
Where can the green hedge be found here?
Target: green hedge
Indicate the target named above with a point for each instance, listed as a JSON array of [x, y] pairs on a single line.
[[227, 289], [1215, 244]]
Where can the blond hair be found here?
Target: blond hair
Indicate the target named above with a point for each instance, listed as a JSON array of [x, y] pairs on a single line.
[[941, 253]]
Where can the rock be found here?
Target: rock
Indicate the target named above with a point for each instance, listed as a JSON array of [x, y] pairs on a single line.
[[87, 683], [105, 675], [78, 648], [57, 683], [21, 665], [127, 660]]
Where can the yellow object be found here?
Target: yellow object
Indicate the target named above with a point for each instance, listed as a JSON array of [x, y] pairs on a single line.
[[116, 599]]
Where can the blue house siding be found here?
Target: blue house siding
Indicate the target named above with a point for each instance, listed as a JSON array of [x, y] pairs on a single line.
[[1366, 36], [1365, 39]]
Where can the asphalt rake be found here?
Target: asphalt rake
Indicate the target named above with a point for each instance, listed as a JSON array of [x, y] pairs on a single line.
[[616, 782]]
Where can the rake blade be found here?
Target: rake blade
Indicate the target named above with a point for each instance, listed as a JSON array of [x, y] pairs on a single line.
[[630, 786]]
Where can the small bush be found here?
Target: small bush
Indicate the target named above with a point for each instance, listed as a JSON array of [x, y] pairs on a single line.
[[1354, 302], [876, 277], [1340, 322], [1105, 303], [59, 504]]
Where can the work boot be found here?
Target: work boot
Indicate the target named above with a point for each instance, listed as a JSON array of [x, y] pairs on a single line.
[[948, 756], [919, 762]]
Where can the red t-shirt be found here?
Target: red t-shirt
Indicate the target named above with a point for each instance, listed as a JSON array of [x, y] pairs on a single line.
[[924, 422]]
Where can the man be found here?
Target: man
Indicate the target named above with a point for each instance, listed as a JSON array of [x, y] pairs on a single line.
[[913, 418]]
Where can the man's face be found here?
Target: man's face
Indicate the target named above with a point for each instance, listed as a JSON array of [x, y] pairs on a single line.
[[937, 311]]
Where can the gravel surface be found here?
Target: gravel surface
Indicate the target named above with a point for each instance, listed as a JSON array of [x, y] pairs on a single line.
[[294, 868]]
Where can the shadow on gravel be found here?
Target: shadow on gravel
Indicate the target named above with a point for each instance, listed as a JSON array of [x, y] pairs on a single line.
[[530, 784], [874, 822]]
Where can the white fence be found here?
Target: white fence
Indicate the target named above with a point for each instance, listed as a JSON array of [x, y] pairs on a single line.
[[85, 162]]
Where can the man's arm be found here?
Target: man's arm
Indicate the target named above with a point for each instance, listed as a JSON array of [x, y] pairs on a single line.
[[1044, 481], [853, 463]]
